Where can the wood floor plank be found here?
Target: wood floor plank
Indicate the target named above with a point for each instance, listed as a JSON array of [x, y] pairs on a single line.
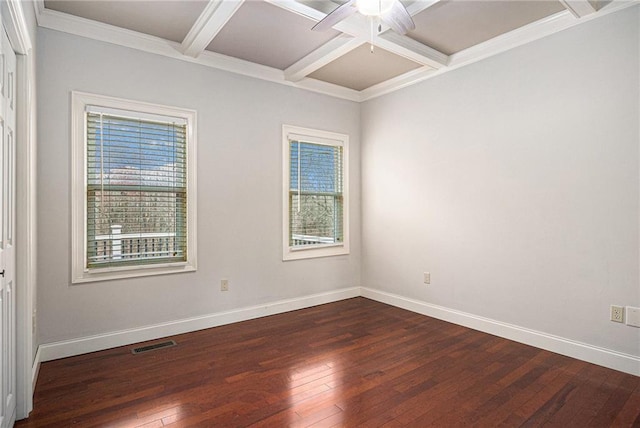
[[353, 363]]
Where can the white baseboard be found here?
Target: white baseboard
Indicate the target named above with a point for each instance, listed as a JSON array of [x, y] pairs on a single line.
[[68, 348], [582, 351]]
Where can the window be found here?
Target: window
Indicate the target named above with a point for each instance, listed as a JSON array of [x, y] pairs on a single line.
[[133, 188], [315, 196]]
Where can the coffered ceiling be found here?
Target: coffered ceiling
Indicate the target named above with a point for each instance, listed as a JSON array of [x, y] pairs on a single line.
[[273, 40]]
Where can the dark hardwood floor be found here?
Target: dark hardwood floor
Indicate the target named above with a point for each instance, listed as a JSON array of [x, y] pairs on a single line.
[[351, 363]]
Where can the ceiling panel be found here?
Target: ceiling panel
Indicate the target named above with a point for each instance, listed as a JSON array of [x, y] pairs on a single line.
[[360, 69], [168, 19], [266, 34], [277, 34], [453, 25]]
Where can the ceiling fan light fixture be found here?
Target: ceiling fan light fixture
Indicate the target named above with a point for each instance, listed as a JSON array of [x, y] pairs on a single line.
[[374, 7]]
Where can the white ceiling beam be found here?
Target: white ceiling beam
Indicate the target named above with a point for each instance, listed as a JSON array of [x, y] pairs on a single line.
[[143, 42], [322, 56], [330, 51], [304, 10], [214, 16], [358, 26], [579, 8], [534, 31], [352, 26], [419, 5], [94, 30], [409, 48]]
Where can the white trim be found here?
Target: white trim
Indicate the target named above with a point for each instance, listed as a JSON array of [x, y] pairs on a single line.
[[411, 49], [15, 24], [70, 24], [523, 35], [262, 72], [26, 224], [420, 5], [585, 352], [534, 31], [315, 85], [79, 103], [578, 8], [359, 27], [571, 348], [355, 25], [407, 79], [317, 137], [324, 8], [313, 136], [68, 348], [35, 369], [214, 16], [38, 8]]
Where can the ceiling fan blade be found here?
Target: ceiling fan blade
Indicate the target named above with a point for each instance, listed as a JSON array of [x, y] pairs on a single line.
[[341, 12], [398, 19]]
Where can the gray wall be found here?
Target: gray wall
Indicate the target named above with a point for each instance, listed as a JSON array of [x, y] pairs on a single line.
[[514, 181], [239, 189]]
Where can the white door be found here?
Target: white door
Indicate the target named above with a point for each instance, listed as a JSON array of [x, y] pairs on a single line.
[[7, 221]]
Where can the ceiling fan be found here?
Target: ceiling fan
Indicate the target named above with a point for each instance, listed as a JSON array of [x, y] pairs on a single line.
[[389, 12]]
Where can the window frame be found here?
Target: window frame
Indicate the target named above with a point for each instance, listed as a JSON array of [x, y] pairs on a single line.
[[321, 137], [79, 184]]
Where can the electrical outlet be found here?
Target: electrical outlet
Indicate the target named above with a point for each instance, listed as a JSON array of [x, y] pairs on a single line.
[[617, 313], [427, 278], [224, 285]]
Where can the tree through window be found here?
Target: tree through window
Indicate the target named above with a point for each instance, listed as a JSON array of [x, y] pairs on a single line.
[[315, 177], [133, 186], [136, 190]]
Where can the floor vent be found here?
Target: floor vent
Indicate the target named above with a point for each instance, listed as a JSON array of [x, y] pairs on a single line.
[[153, 347]]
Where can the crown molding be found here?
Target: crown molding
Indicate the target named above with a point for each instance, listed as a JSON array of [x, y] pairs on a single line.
[[523, 35], [66, 23], [87, 28], [246, 68], [534, 31], [407, 79], [38, 8], [16, 26], [435, 63], [578, 8]]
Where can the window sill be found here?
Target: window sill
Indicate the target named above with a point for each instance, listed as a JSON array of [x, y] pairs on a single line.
[[105, 274], [314, 252]]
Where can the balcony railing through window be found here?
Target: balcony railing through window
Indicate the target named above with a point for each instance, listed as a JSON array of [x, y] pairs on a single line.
[[121, 247]]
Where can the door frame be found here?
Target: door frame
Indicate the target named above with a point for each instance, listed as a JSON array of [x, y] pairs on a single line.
[[27, 364]]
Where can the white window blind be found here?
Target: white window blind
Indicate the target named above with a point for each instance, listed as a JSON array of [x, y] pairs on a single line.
[[316, 199], [136, 188]]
